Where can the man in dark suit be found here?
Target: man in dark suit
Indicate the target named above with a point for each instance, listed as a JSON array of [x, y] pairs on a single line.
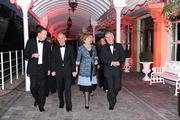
[[112, 56], [63, 65], [51, 81], [37, 52]]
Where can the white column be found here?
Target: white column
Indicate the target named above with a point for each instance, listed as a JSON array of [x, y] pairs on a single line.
[[24, 4], [25, 24], [118, 6], [118, 25], [26, 37]]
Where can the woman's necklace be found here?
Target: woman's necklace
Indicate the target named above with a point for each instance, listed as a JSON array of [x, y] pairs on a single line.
[[88, 47]]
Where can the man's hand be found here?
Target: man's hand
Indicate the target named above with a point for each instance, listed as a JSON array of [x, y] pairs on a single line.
[[35, 55], [49, 72], [74, 74], [53, 73], [115, 63], [96, 62]]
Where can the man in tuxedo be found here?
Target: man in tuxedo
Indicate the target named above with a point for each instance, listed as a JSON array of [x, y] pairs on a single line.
[[63, 67], [51, 81], [112, 56], [37, 52]]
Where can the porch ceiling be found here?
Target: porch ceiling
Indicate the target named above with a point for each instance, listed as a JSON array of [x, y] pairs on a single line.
[[54, 13], [133, 8]]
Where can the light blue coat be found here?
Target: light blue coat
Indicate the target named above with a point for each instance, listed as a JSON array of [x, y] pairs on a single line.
[[84, 61]]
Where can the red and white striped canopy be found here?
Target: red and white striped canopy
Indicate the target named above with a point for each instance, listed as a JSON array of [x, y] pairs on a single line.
[[54, 13]]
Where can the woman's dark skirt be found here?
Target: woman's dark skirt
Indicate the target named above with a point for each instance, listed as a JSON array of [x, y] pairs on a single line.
[[87, 88]]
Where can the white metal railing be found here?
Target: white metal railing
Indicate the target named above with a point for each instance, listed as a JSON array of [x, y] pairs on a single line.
[[12, 64]]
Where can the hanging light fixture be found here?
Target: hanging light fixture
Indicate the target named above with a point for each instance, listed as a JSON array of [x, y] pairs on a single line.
[[89, 28], [67, 29], [73, 4], [69, 21], [67, 33]]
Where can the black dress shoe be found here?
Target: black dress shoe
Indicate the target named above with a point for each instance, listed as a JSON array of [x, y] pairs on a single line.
[[87, 107], [47, 94], [61, 105], [41, 109], [68, 109], [35, 103], [111, 108]]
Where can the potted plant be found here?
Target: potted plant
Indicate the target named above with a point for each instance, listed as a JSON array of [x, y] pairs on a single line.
[[172, 10], [146, 59], [146, 56]]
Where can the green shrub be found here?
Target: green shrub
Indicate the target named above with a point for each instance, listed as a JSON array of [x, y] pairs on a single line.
[[146, 56]]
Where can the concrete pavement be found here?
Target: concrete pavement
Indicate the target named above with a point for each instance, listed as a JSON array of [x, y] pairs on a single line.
[[136, 101]]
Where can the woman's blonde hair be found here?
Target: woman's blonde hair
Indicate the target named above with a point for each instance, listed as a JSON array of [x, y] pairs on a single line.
[[85, 35]]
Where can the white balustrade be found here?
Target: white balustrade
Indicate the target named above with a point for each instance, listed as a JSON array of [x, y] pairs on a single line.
[[2, 71], [8, 68]]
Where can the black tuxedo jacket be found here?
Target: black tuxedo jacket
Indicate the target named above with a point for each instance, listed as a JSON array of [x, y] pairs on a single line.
[[68, 64], [107, 57], [31, 47]]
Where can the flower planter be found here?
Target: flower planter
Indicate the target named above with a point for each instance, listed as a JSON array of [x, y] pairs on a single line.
[[146, 70]]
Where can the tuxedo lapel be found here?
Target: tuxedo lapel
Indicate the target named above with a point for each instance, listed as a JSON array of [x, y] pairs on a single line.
[[115, 49], [66, 52], [108, 49], [44, 52], [59, 53], [44, 48], [35, 46]]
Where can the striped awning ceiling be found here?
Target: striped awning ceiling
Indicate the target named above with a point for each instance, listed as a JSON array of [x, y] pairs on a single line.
[[54, 13], [133, 7]]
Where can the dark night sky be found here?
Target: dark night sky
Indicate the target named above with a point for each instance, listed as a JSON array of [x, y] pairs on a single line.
[[12, 6], [18, 11], [15, 39]]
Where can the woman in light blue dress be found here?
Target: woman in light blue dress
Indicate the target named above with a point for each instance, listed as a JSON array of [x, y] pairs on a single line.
[[86, 66]]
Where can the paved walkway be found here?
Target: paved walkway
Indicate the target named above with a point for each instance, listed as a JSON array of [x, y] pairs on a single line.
[[136, 101]]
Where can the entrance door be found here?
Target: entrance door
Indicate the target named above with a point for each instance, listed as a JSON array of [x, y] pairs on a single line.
[[146, 35]]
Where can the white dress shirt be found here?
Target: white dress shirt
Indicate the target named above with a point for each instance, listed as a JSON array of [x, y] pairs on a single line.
[[62, 50], [40, 51], [111, 48]]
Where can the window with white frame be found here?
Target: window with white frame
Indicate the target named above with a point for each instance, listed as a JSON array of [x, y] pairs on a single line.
[[175, 54]]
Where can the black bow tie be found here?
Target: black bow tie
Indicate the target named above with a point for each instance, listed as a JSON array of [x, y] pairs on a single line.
[[111, 44], [39, 41], [62, 46]]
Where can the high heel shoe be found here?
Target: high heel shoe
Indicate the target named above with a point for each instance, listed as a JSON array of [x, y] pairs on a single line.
[[87, 107]]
